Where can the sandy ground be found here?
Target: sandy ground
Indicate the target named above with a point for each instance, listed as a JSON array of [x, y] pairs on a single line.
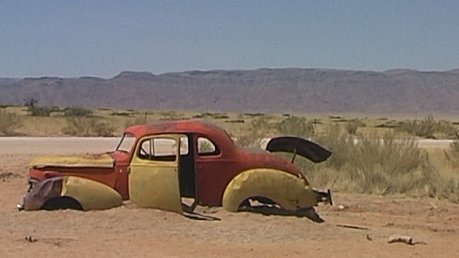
[[361, 229]]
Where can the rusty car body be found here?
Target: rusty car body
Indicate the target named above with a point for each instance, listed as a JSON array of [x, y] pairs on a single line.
[[156, 165]]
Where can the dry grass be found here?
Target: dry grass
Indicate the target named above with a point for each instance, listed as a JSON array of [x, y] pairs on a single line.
[[384, 165], [368, 153], [373, 165], [446, 162], [9, 122], [88, 126]]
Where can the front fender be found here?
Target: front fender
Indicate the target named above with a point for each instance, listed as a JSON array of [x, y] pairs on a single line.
[[90, 194], [290, 192]]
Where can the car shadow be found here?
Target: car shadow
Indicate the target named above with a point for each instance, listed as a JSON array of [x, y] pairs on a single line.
[[200, 216], [189, 211], [269, 210]]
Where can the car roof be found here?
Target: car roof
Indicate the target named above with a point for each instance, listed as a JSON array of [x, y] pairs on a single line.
[[179, 126]]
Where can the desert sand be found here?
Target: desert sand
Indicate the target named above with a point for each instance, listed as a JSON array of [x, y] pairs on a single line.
[[356, 226]]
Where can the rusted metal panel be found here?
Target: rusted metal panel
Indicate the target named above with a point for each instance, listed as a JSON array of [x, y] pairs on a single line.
[[213, 174], [90, 194], [290, 192], [42, 192], [90, 160], [155, 184], [101, 175]]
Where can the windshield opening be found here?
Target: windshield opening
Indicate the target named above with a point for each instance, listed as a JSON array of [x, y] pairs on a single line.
[[126, 143]]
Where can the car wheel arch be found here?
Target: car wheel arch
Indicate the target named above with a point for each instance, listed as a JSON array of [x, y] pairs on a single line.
[[282, 188], [62, 202], [89, 194]]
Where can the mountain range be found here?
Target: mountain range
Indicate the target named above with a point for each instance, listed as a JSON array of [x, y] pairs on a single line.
[[399, 91]]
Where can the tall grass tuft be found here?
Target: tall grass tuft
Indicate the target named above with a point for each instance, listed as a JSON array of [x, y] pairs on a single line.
[[428, 128], [296, 126], [258, 128], [9, 122], [87, 126], [373, 165], [77, 112]]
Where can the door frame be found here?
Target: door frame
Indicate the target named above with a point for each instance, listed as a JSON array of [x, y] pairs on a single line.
[[154, 180]]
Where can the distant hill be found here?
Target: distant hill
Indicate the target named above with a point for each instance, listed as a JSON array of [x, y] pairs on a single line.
[[8, 81], [398, 91]]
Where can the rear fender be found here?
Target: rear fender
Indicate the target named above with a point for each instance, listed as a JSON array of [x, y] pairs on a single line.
[[287, 190], [91, 195]]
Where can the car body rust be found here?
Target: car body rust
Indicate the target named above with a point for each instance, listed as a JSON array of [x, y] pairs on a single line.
[[200, 156]]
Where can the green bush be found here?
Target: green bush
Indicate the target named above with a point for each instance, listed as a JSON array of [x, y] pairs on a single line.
[[77, 112], [40, 111]]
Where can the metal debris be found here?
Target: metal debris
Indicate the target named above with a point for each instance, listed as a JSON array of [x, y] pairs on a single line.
[[401, 239], [30, 239]]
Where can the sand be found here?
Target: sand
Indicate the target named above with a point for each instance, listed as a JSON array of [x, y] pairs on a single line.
[[356, 226]]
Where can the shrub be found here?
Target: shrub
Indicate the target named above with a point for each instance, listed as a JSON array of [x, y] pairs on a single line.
[[452, 155], [373, 165], [87, 126], [220, 116], [235, 121], [171, 115], [103, 129], [40, 111], [35, 110], [120, 114], [9, 122], [428, 128], [77, 111], [353, 125], [254, 114], [255, 130], [296, 126], [136, 121], [30, 102]]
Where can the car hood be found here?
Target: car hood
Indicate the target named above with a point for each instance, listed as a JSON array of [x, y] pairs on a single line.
[[88, 160]]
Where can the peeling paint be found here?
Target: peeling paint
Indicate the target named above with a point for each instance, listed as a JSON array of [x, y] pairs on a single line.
[[89, 160], [290, 192]]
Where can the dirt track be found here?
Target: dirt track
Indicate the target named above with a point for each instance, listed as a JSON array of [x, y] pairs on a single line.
[[130, 231]]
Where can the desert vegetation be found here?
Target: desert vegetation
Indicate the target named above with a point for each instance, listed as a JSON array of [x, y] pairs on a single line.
[[9, 122], [370, 155], [428, 128], [378, 165]]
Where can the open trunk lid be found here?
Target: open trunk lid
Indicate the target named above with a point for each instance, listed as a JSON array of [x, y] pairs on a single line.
[[298, 146]]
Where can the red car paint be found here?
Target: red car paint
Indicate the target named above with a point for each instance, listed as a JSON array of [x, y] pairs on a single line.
[[212, 173]]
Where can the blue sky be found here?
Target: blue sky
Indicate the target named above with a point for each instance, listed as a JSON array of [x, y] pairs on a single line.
[[102, 38]]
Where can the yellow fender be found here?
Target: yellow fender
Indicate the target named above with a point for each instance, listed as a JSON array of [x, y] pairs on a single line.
[[90, 194], [287, 190]]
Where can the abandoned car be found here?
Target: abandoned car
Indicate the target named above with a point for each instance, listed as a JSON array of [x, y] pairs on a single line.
[[156, 165]]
